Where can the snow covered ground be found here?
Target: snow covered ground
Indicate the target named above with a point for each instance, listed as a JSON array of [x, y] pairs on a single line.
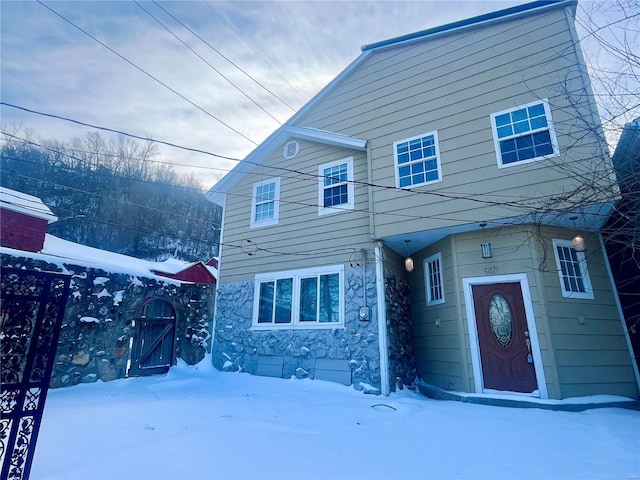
[[198, 423]]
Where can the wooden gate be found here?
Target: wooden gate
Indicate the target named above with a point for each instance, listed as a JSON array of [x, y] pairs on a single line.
[[152, 351], [32, 308]]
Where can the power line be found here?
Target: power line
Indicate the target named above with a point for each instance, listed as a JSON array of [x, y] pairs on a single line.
[[147, 73], [253, 49], [115, 200], [204, 60], [224, 56], [450, 195], [120, 132]]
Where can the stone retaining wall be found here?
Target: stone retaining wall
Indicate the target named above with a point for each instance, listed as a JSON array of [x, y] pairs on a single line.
[[98, 324]]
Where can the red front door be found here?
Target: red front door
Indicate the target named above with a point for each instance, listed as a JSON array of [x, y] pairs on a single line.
[[503, 337]]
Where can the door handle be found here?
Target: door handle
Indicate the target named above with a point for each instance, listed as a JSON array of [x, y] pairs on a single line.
[[528, 343]]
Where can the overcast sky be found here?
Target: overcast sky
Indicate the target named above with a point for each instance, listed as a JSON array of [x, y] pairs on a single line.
[[173, 71]]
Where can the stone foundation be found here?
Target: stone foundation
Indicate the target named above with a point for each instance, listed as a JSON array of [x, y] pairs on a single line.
[[237, 348]]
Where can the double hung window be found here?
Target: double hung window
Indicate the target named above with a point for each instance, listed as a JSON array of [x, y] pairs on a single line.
[[572, 270], [265, 206], [335, 189], [299, 299], [524, 134], [417, 161], [433, 279]]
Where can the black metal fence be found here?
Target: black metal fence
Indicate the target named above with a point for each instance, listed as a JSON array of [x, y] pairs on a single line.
[[32, 308]]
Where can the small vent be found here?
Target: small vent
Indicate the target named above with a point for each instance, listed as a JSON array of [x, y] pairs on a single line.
[[291, 149]]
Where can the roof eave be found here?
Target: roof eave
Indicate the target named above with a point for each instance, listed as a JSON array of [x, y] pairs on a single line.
[[270, 144]]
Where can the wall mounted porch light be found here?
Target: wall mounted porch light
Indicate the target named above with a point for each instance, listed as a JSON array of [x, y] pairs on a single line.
[[578, 241], [485, 247], [408, 261]]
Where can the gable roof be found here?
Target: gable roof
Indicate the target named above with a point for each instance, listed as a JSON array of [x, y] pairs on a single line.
[[25, 204], [197, 272], [287, 130], [276, 139]]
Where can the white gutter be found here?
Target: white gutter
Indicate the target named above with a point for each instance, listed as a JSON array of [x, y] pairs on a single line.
[[383, 343], [620, 313]]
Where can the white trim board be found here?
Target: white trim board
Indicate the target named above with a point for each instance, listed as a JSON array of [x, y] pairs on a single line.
[[531, 324]]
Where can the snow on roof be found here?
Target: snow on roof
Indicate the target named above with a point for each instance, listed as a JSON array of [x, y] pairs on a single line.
[[26, 204], [61, 252]]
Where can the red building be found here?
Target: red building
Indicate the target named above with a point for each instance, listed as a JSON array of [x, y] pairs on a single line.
[[24, 220]]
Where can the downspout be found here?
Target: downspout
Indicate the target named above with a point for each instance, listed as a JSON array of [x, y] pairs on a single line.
[[223, 204], [620, 313], [383, 343], [372, 227]]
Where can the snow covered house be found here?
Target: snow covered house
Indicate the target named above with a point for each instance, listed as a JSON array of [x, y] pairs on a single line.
[[124, 316], [24, 220], [432, 214]]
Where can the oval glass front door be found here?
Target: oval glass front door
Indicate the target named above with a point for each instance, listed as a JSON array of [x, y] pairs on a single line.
[[501, 320]]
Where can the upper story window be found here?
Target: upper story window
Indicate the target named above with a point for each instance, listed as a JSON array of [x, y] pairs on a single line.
[[433, 279], [572, 270], [335, 192], [310, 298], [524, 134], [417, 161], [265, 206]]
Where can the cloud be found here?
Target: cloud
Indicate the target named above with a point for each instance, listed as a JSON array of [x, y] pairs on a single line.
[[49, 65]]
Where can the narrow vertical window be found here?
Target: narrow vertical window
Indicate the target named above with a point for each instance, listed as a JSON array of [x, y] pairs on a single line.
[[265, 206], [572, 270], [335, 191], [275, 300], [433, 279]]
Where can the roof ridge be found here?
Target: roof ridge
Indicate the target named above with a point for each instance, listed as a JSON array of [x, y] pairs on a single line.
[[468, 22]]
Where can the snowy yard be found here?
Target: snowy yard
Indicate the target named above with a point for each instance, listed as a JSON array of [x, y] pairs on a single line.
[[198, 423]]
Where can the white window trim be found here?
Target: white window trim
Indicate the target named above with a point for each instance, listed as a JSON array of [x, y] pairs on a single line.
[[276, 204], [322, 210], [295, 314], [588, 293], [550, 127], [395, 159], [427, 279]]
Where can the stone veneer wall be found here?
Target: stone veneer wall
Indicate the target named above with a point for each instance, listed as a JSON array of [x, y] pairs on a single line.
[[97, 328], [236, 347], [402, 362]]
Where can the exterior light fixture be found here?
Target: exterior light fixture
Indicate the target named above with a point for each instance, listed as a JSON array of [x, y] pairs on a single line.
[[578, 241], [408, 261], [485, 247]]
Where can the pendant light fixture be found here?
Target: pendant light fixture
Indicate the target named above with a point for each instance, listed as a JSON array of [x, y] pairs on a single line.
[[408, 261], [485, 247], [578, 241]]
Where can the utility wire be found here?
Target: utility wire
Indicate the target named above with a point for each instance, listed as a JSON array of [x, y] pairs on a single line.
[[120, 132], [147, 73], [223, 56], [203, 59], [253, 49], [438, 194]]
